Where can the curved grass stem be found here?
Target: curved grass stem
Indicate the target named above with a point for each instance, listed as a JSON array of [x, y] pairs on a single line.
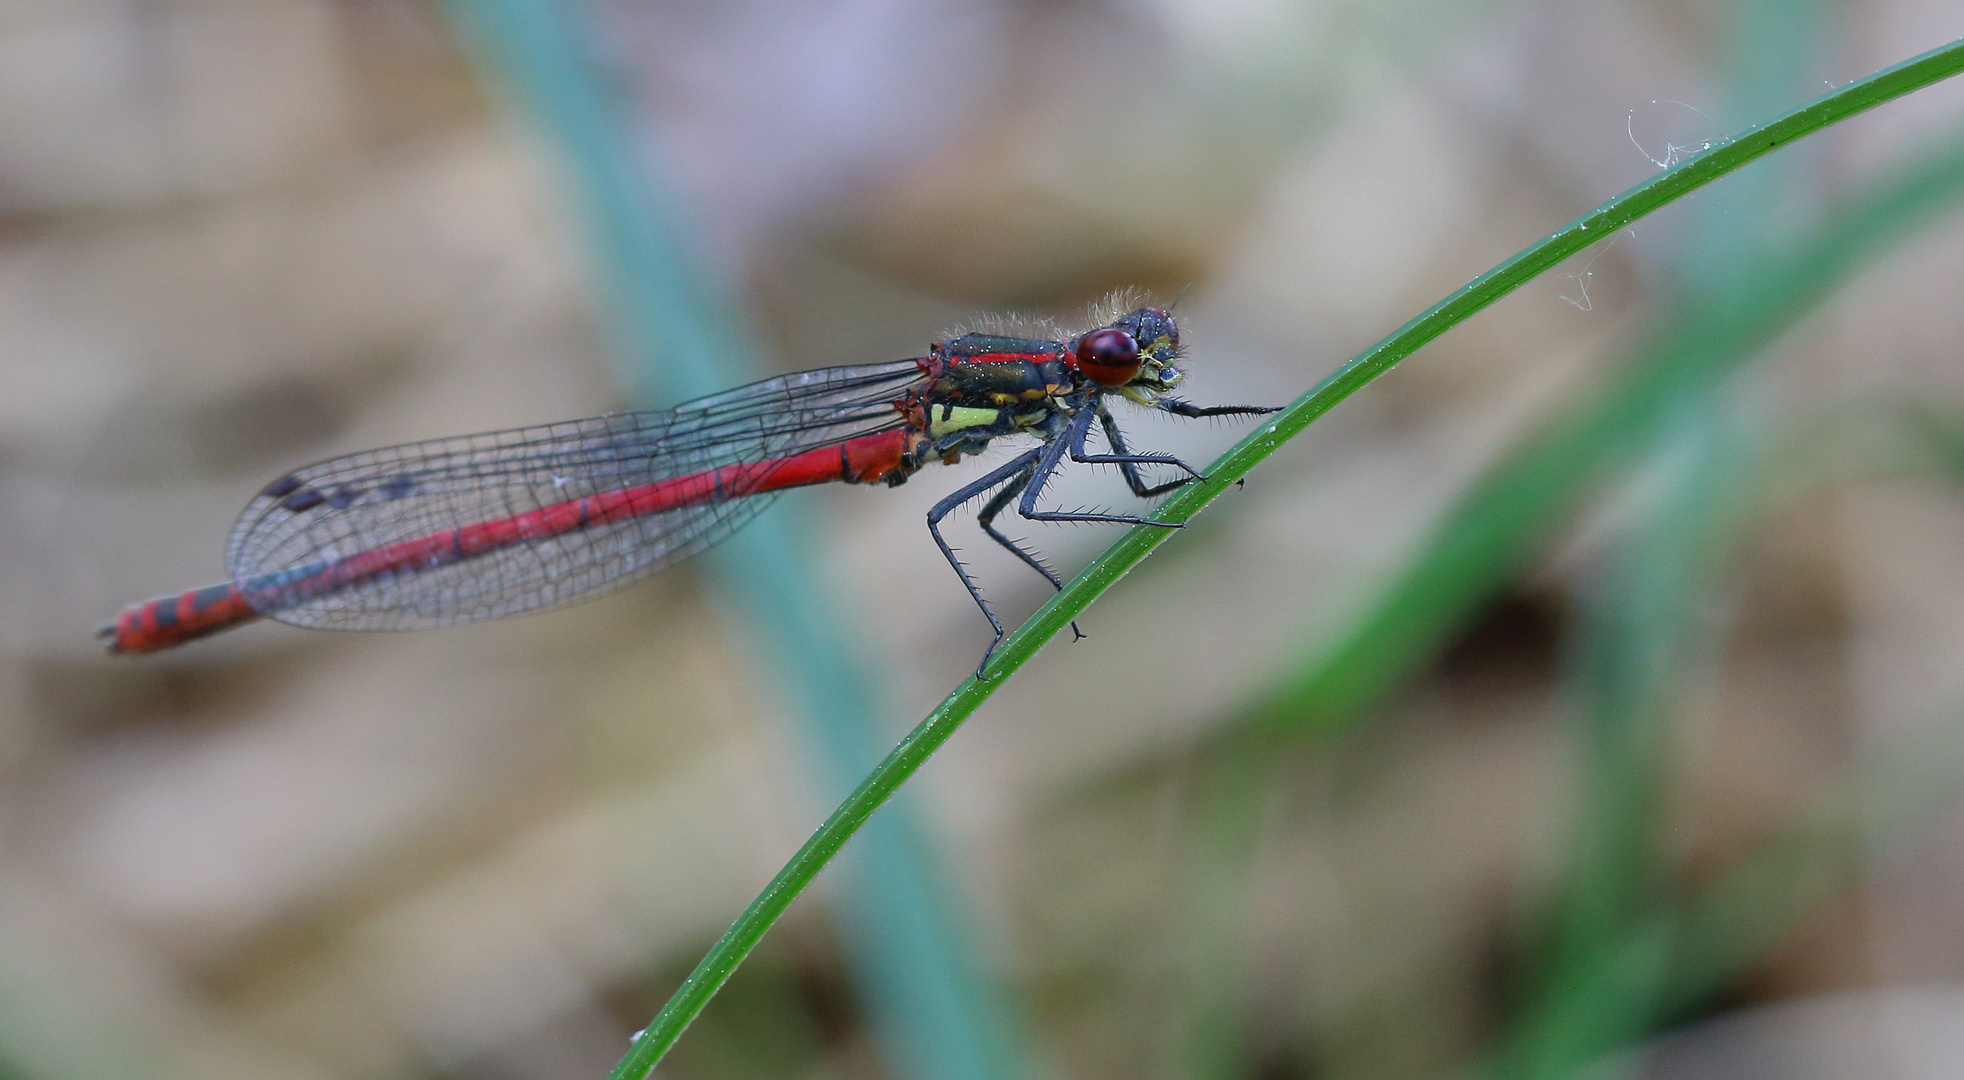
[[1693, 173]]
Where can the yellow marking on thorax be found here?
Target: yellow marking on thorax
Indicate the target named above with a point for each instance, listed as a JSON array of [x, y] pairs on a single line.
[[945, 419]]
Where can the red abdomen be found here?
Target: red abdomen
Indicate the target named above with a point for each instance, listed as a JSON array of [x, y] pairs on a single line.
[[173, 620]]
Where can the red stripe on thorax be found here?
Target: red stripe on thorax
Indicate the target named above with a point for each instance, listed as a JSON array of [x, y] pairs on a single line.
[[1008, 357]]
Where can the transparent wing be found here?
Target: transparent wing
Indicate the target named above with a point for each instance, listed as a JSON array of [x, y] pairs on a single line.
[[420, 496]]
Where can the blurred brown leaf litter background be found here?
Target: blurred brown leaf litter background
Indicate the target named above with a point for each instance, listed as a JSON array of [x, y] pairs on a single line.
[[1673, 789]]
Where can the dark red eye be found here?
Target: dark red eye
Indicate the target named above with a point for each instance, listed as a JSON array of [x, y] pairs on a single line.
[[1108, 357]]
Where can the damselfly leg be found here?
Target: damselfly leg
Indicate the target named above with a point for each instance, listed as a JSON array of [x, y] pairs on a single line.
[[1128, 464], [1053, 454], [987, 520], [1022, 463]]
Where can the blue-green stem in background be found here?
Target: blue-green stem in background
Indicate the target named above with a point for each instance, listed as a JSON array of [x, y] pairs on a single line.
[[1016, 650], [674, 334]]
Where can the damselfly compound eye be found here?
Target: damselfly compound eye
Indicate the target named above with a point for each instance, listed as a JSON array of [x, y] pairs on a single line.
[[1108, 357]]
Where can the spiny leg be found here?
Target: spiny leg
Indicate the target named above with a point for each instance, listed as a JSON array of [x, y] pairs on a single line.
[[1120, 456], [1053, 454], [1022, 463], [987, 519], [1182, 408], [1128, 462]]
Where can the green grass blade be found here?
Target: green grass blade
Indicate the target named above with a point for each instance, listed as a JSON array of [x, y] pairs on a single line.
[[1507, 517], [1644, 628], [1674, 183]]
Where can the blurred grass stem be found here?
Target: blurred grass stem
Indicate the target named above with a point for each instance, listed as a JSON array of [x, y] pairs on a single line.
[[1645, 634], [674, 334], [1633, 958]]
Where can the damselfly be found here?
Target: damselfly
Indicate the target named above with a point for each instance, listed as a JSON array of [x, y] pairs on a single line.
[[457, 530]]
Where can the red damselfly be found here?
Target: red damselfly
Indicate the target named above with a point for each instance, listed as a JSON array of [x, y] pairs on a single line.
[[450, 531]]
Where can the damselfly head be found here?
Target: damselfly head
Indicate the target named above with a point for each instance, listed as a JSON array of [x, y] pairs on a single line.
[[1135, 351]]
